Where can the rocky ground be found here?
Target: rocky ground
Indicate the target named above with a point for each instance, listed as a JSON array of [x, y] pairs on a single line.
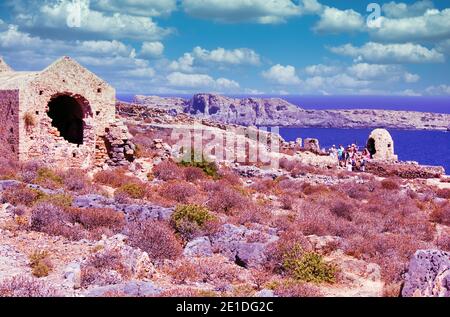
[[161, 228]]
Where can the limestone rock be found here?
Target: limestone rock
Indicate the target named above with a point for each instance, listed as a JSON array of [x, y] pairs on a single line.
[[128, 289], [73, 274], [428, 274], [236, 243], [265, 293], [5, 184], [198, 247]]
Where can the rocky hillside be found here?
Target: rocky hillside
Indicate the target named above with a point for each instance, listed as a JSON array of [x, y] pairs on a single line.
[[158, 228], [276, 111]]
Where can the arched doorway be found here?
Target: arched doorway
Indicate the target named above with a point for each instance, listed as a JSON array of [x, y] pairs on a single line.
[[67, 114], [371, 147]]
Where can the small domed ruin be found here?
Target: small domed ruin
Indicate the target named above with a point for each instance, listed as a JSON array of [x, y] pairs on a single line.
[[381, 145], [62, 116]]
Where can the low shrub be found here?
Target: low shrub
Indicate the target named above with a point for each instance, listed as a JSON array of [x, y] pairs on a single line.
[[217, 270], [22, 286], [53, 220], [40, 263], [294, 288], [114, 178], [99, 267], [48, 178], [190, 219], [202, 162], [309, 189], [308, 266], [441, 214], [92, 218], [192, 174], [288, 240], [182, 272], [287, 201], [61, 200], [342, 210], [22, 195], [75, 180], [225, 199], [390, 184], [443, 193], [167, 170], [443, 242], [9, 169], [178, 191], [156, 238], [132, 190]]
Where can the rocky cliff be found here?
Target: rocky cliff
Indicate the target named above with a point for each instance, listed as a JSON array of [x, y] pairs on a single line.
[[276, 111]]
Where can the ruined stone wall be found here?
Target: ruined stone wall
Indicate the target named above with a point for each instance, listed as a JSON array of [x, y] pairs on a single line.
[[9, 118], [403, 170], [43, 141]]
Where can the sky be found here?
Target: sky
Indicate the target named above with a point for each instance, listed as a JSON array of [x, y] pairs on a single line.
[[276, 47]]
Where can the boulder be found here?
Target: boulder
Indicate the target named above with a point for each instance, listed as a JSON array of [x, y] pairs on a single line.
[[238, 244], [428, 275], [72, 273], [92, 201], [128, 289], [265, 293], [198, 247], [133, 212], [5, 184]]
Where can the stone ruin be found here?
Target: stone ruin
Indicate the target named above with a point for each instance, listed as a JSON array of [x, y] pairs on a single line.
[[381, 145], [63, 116], [385, 162]]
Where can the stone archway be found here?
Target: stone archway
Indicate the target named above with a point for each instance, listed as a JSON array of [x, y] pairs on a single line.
[[67, 113]]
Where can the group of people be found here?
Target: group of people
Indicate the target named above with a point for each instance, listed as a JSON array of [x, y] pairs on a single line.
[[351, 157]]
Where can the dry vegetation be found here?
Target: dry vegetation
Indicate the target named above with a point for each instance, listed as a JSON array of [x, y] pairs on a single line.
[[378, 221]]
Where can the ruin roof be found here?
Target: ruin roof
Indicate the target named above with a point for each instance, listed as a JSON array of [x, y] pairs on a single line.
[[16, 80], [4, 67], [13, 80]]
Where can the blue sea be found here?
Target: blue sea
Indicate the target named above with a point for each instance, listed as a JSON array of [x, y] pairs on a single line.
[[425, 147]]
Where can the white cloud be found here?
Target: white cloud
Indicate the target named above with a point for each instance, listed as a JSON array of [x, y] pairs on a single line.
[[283, 75], [438, 90], [390, 53], [54, 15], [259, 11], [431, 26], [444, 46], [153, 8], [146, 72], [386, 73], [181, 80], [360, 78], [320, 69], [411, 78], [234, 57], [401, 10], [333, 20], [185, 63], [151, 49]]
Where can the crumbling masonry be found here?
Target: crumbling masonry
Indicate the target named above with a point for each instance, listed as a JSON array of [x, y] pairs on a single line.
[[63, 116]]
